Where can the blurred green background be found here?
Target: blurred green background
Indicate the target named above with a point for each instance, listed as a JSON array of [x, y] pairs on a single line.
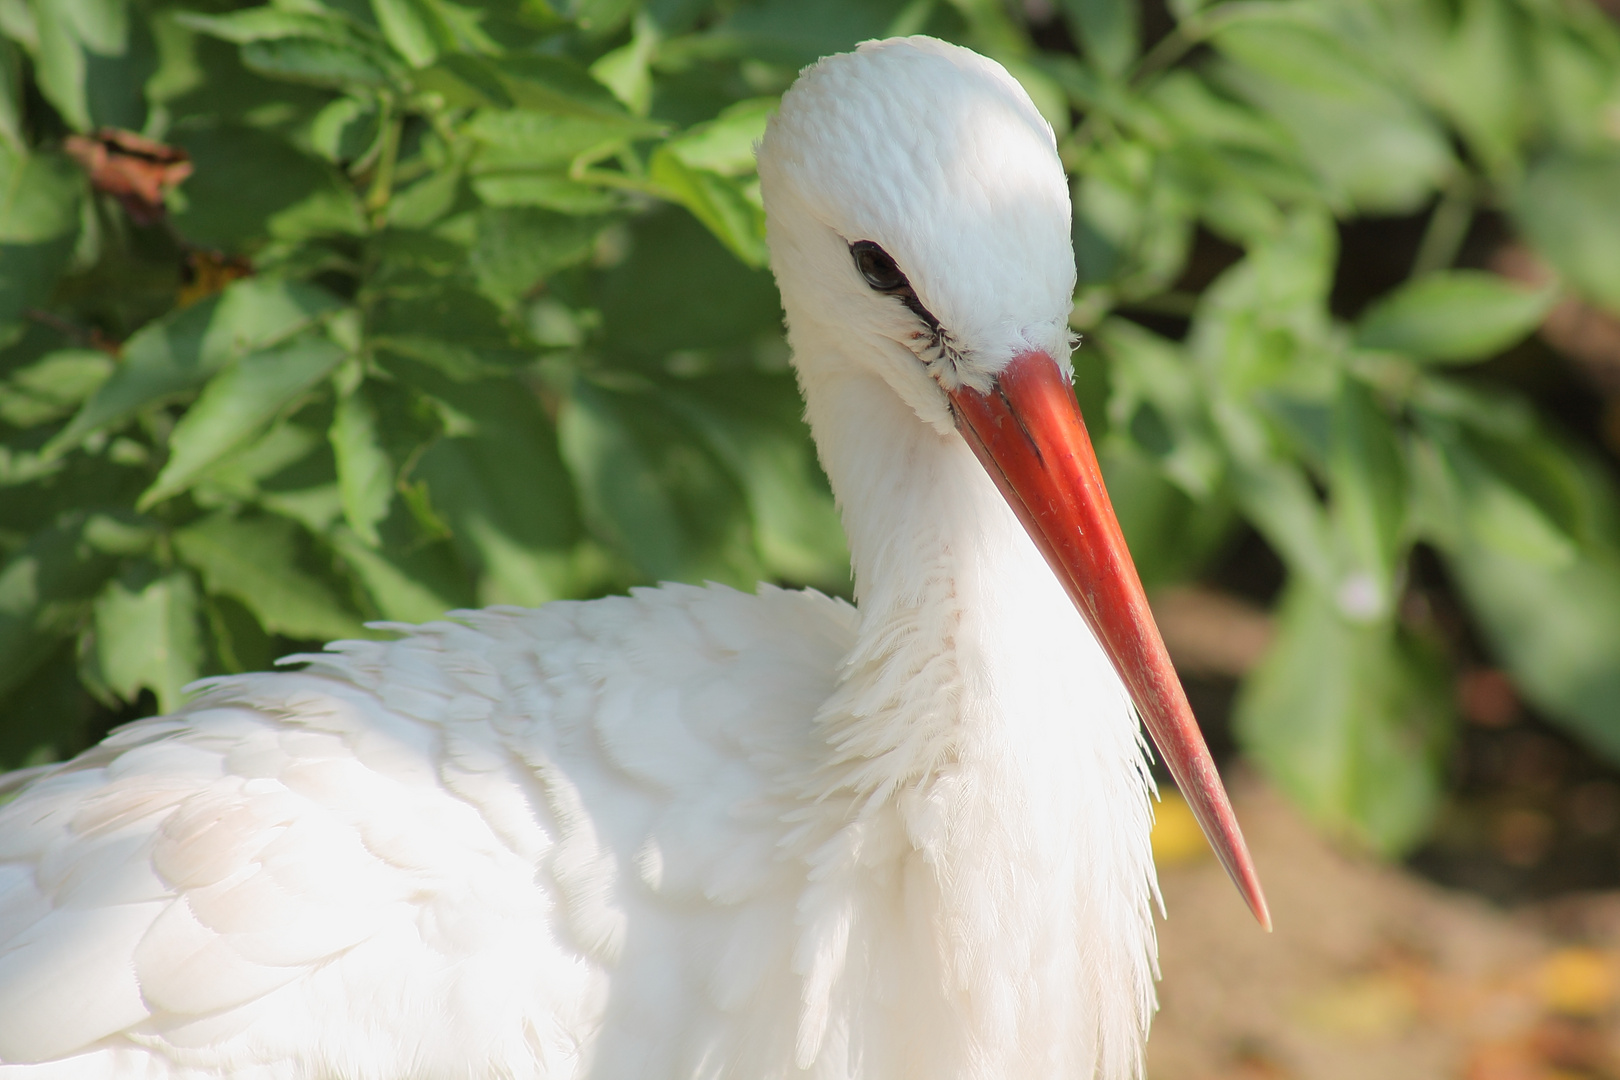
[[328, 311]]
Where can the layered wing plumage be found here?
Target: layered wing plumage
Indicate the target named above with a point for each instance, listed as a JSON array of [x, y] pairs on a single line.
[[517, 844]]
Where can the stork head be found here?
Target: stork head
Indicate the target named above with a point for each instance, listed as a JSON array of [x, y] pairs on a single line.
[[912, 188], [918, 214]]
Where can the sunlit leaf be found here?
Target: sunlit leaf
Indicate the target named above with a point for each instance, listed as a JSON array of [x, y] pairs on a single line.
[[254, 561], [365, 473], [271, 23], [402, 593], [1372, 147], [725, 145], [528, 139], [1369, 500], [1158, 400], [53, 386], [500, 478], [1453, 315], [556, 84], [148, 634], [718, 202], [1108, 31], [412, 27], [1350, 720], [1557, 629], [175, 354], [237, 404], [1568, 210]]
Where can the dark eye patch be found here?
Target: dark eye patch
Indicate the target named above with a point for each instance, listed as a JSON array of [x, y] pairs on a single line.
[[885, 276], [877, 267]]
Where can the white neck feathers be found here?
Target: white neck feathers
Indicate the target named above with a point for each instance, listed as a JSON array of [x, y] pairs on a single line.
[[984, 798]]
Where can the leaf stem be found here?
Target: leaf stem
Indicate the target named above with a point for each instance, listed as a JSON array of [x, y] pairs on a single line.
[[1447, 229], [1194, 31], [382, 184]]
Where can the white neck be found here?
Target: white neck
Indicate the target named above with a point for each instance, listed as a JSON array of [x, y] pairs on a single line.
[[994, 816]]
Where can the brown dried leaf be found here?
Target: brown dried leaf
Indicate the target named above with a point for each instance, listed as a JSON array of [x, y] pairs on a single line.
[[136, 171]]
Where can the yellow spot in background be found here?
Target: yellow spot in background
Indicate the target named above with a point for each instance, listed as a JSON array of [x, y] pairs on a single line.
[[1577, 982], [1375, 1006], [208, 272], [1176, 836]]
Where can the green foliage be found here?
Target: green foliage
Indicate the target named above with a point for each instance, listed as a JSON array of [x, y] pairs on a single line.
[[463, 303]]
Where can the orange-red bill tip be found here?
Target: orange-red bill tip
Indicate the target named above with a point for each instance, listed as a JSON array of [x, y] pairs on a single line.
[[1028, 433]]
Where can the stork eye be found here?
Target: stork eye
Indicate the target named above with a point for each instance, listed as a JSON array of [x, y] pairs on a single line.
[[876, 267]]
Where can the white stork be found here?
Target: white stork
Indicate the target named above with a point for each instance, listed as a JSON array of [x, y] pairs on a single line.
[[692, 833]]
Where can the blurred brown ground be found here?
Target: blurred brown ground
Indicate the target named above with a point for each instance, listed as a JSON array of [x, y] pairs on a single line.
[[1372, 972]]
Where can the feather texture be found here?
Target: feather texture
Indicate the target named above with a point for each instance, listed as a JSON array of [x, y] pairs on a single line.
[[688, 834]]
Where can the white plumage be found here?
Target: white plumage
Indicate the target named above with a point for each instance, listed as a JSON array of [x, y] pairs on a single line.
[[690, 833]]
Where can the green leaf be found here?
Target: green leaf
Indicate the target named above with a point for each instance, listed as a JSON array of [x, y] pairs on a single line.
[[402, 592], [1567, 208], [1132, 220], [412, 27], [365, 473], [253, 562], [48, 714], [725, 145], [303, 46], [147, 634], [39, 222], [526, 139], [455, 329], [466, 81], [1453, 315], [11, 92], [59, 54], [45, 590], [797, 32], [1373, 147], [555, 84], [626, 70], [52, 386], [237, 404], [1157, 398], [270, 23], [1369, 501], [1108, 31], [679, 290], [552, 192], [288, 455], [39, 200], [518, 248], [344, 129], [503, 483], [720, 203], [1468, 502], [250, 186], [177, 353], [319, 63], [1351, 720], [1556, 628], [1274, 492], [1171, 537], [752, 425], [620, 490], [601, 16]]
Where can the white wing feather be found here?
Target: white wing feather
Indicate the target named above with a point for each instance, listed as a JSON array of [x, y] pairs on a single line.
[[519, 844]]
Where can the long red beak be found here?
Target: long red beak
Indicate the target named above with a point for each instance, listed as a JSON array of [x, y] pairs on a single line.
[[1028, 433]]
